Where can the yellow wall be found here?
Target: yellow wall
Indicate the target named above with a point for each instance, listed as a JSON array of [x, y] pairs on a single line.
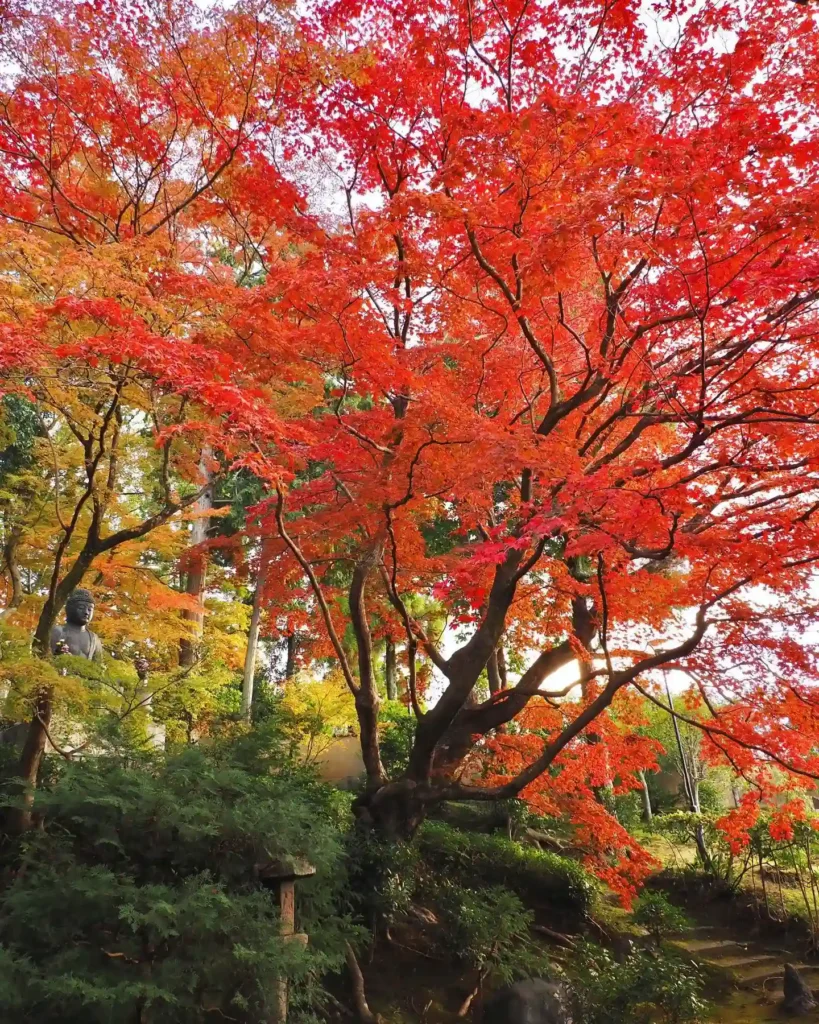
[[341, 762]]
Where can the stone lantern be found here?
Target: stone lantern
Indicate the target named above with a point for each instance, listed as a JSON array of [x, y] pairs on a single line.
[[280, 878]]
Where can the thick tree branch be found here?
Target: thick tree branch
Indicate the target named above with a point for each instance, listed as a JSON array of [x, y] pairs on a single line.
[[616, 682]]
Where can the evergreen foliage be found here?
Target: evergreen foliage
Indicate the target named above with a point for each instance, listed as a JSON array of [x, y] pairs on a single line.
[[490, 929], [141, 898]]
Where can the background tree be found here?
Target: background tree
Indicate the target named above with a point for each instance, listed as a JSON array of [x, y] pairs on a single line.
[[121, 131]]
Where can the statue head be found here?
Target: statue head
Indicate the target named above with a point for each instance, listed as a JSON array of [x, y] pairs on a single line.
[[79, 608]]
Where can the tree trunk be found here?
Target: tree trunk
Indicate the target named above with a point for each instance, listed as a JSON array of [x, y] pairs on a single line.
[[690, 786], [10, 558], [365, 1014], [252, 650], [290, 665], [464, 668], [647, 811], [699, 837], [604, 794], [19, 818], [366, 707], [389, 670], [394, 810], [493, 673], [195, 582], [455, 746], [367, 699], [702, 849], [466, 1005]]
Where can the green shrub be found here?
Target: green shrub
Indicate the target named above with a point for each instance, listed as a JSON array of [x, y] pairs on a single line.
[[644, 989], [384, 876], [658, 916], [141, 894], [712, 797], [489, 931], [532, 874]]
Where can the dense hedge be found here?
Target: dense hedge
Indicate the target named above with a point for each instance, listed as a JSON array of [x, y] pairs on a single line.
[[534, 875]]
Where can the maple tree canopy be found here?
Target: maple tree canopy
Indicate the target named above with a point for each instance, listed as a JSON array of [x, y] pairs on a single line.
[[532, 333]]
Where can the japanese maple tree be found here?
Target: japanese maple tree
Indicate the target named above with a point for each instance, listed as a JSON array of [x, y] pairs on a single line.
[[564, 327], [547, 357]]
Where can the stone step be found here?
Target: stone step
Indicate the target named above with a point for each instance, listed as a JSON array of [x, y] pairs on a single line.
[[774, 969], [726, 952], [707, 946], [733, 963]]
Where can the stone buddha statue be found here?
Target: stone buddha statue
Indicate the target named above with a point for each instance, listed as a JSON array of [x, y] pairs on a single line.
[[74, 636]]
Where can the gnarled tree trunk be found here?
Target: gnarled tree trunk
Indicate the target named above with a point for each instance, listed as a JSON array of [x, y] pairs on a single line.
[[31, 756], [648, 813], [493, 673]]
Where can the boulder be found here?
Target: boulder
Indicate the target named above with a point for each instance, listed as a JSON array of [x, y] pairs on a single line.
[[533, 1001], [798, 998], [623, 947]]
